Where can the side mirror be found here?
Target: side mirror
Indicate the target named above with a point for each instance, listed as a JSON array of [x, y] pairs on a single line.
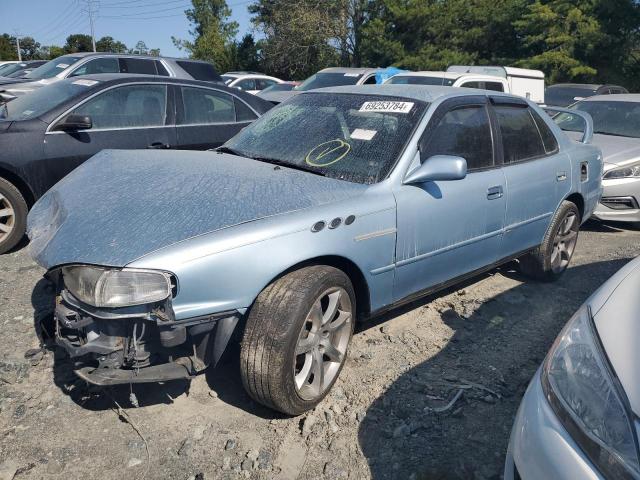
[[75, 122], [438, 167]]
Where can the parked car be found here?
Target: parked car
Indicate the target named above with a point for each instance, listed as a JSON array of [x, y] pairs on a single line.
[[279, 87], [19, 70], [335, 206], [578, 418], [252, 82], [565, 94], [480, 81], [91, 63], [616, 121], [329, 77], [45, 135], [522, 81]]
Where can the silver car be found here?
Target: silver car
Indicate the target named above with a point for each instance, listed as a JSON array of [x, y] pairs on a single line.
[[578, 418], [616, 121]]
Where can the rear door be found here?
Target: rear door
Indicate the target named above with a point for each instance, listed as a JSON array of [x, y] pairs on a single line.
[[207, 117], [130, 116], [537, 174]]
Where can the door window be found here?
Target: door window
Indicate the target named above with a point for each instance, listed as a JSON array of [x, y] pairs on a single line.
[[463, 132], [127, 106], [370, 81], [243, 112], [520, 137], [138, 65], [548, 138], [204, 106], [262, 83], [97, 65], [494, 86], [161, 69], [246, 84]]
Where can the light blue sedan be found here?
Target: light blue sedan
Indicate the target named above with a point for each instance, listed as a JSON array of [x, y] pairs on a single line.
[[335, 206]]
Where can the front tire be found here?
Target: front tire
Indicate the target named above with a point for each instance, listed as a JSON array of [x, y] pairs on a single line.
[[296, 338], [550, 260], [13, 216]]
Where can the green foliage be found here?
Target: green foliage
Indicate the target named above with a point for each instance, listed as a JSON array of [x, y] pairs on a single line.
[[8, 47], [109, 44], [78, 42]]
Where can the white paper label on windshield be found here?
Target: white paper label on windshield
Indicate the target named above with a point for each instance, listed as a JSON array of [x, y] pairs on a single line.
[[362, 134], [352, 74], [62, 65], [86, 83], [26, 113], [387, 107]]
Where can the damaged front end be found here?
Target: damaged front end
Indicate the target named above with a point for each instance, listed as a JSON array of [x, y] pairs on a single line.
[[119, 327]]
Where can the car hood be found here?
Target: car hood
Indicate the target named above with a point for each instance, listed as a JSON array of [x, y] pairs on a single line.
[[617, 150], [121, 205], [616, 310]]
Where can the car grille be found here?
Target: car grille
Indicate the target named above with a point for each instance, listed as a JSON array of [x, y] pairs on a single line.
[[620, 203]]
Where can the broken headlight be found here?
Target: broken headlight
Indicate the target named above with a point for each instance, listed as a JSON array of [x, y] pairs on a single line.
[[108, 287], [581, 388]]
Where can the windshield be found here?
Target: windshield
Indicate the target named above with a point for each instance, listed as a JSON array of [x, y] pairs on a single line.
[[356, 138], [329, 79], [565, 96], [52, 68], [40, 100], [621, 119], [11, 68], [420, 80]]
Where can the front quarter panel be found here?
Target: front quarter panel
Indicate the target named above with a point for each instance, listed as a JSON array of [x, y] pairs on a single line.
[[226, 270]]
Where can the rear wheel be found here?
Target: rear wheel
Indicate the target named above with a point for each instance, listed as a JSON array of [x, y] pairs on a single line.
[[296, 338], [550, 260], [13, 216]]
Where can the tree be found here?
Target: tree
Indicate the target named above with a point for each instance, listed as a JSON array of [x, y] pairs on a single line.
[[154, 52], [29, 49], [108, 44], [78, 42], [246, 54], [140, 48], [8, 47], [212, 31]]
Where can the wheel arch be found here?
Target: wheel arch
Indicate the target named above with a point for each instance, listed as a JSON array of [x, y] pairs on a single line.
[[578, 200], [19, 183], [349, 267]]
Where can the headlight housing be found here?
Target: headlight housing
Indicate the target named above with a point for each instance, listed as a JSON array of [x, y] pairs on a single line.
[[629, 171], [108, 287], [583, 392]]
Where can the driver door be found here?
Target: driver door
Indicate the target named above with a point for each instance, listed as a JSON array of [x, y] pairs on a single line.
[[447, 229]]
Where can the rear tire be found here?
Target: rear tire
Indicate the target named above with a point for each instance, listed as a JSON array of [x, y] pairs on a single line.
[[296, 338], [550, 260], [13, 216]]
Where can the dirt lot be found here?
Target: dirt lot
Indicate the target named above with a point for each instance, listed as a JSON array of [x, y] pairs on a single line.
[[381, 421]]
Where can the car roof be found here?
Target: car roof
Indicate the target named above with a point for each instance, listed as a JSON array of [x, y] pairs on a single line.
[[361, 70], [447, 75], [619, 97], [151, 57], [424, 93], [585, 86]]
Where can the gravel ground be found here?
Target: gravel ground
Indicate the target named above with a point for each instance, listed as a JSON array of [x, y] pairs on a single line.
[[382, 420]]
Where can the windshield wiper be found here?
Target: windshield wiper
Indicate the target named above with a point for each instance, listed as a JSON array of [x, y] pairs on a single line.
[[282, 163], [229, 150]]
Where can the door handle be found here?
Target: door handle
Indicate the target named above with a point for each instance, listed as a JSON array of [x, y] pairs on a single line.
[[159, 145], [494, 192], [561, 176]]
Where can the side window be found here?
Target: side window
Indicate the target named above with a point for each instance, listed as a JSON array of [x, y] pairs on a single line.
[[370, 81], [161, 69], [520, 137], [204, 106], [127, 106], [243, 112], [98, 65], [494, 86], [138, 65], [548, 138], [262, 83], [464, 132], [472, 85], [246, 84]]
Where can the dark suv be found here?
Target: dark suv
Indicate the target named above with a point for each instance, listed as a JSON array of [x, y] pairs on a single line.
[[565, 94]]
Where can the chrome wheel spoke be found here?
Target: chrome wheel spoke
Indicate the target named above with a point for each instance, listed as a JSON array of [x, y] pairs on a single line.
[[315, 315], [4, 228], [333, 353], [318, 371], [7, 217], [305, 372], [6, 212], [305, 344], [332, 307], [343, 319]]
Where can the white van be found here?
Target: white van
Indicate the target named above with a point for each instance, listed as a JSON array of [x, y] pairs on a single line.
[[518, 81]]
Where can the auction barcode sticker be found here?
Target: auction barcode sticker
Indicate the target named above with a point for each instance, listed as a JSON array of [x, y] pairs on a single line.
[[386, 107]]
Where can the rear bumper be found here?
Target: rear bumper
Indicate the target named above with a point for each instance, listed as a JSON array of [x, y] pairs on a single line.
[[540, 447], [138, 345], [620, 201]]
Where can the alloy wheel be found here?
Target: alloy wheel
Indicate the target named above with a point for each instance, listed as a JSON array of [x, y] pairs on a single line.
[[7, 218], [564, 242], [322, 344]]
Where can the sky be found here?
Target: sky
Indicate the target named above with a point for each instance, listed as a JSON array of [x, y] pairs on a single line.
[[153, 21]]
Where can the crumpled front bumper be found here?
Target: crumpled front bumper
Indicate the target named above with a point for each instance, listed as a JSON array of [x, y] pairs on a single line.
[[139, 344]]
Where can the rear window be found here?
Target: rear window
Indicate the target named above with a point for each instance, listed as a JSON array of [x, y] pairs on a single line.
[[520, 137], [200, 71]]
